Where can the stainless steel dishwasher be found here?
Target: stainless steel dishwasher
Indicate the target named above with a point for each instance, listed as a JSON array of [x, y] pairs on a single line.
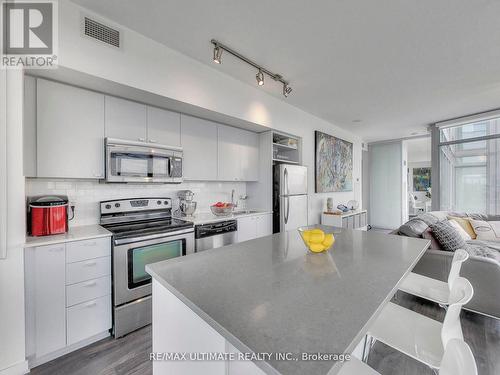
[[212, 235]]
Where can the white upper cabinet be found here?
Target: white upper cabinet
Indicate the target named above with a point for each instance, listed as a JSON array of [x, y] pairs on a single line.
[[125, 119], [164, 127], [238, 156], [199, 143], [70, 131], [250, 156], [29, 126]]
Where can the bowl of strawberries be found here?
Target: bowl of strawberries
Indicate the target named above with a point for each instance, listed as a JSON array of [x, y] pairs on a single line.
[[222, 209]]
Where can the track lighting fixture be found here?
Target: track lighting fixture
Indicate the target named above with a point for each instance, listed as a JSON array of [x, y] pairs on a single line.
[[217, 54], [219, 48], [286, 90], [260, 78]]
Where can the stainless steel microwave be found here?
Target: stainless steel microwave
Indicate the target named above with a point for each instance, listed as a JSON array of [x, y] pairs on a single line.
[[129, 161]]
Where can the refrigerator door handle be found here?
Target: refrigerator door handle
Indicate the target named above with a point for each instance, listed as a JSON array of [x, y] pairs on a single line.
[[286, 188], [287, 209]]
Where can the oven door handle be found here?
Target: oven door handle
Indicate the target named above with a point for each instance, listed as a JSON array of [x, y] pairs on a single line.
[[170, 169], [155, 238]]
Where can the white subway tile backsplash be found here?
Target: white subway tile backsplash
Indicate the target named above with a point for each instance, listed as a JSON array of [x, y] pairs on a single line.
[[86, 195]]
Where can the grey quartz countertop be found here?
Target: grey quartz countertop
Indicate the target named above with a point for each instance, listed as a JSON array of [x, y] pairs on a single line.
[[271, 295], [78, 233], [201, 218]]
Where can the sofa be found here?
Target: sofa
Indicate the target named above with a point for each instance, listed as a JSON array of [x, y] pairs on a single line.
[[482, 268]]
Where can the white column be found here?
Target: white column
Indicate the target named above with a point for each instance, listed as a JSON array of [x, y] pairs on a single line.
[[12, 332]]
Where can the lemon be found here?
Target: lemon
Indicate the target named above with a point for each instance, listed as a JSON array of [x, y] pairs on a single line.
[[317, 237], [306, 235], [328, 241], [317, 247], [316, 231]]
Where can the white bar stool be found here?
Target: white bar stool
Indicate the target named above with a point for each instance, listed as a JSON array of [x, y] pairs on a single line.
[[457, 360], [431, 289], [418, 336]]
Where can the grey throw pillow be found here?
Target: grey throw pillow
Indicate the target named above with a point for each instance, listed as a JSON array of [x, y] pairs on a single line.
[[428, 218], [447, 236], [413, 228]]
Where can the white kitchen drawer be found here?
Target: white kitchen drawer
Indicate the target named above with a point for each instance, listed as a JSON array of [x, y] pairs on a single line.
[[88, 319], [87, 290], [87, 270], [81, 250]]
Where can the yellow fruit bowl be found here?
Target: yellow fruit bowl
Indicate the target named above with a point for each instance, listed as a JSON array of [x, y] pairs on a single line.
[[317, 239]]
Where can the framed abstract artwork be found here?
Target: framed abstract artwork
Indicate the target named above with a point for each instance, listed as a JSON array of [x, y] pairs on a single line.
[[421, 178], [333, 163]]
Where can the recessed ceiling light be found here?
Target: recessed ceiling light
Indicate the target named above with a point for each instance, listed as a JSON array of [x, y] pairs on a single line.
[[357, 120], [414, 133]]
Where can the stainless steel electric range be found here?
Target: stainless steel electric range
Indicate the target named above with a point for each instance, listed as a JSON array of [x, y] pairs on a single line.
[[144, 232]]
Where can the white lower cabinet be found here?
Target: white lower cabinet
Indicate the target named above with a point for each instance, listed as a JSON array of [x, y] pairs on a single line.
[[251, 227], [50, 304], [88, 319], [87, 269], [86, 290], [178, 329], [68, 302], [237, 367]]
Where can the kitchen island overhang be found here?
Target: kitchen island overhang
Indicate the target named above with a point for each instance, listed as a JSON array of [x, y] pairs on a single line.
[[270, 295]]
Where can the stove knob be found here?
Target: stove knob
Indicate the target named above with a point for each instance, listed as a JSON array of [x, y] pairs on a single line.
[[158, 202], [165, 202], [108, 206], [117, 205]]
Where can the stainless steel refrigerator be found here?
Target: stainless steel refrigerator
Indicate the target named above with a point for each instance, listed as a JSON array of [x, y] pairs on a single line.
[[289, 197]]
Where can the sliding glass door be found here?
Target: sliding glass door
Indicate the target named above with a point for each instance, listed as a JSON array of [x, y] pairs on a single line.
[[469, 163]]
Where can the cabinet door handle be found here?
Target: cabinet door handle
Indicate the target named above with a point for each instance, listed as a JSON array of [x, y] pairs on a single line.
[[93, 243], [141, 139], [153, 141], [89, 264], [90, 283], [91, 304], [98, 175]]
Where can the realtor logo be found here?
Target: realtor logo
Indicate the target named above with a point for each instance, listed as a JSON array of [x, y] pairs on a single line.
[[29, 34]]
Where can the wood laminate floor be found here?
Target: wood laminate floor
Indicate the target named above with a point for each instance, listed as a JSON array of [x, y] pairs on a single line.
[[130, 354]]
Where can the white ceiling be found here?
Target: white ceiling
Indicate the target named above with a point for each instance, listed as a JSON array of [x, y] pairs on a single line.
[[396, 65]]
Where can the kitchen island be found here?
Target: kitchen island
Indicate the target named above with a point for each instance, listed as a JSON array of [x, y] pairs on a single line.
[[272, 300]]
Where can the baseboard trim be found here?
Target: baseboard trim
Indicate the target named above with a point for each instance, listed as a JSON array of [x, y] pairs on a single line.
[[16, 369], [34, 362]]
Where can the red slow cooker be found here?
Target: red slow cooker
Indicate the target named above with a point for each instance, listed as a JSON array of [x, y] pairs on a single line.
[[48, 215]]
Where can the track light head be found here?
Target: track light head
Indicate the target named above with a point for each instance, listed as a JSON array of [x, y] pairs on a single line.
[[217, 54], [260, 78], [286, 90]]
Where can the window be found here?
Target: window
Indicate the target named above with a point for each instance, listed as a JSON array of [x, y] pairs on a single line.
[[469, 163]]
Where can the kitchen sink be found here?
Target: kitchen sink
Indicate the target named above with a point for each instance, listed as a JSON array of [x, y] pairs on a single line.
[[245, 212]]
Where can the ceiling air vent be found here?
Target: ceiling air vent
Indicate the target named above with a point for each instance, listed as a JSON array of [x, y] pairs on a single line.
[[100, 32]]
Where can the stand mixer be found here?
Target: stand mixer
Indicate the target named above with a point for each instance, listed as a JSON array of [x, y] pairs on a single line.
[[187, 206]]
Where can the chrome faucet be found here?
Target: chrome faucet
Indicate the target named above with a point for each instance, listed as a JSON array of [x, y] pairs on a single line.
[[232, 198]]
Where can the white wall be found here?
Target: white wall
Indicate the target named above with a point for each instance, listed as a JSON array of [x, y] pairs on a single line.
[[386, 187], [150, 66], [12, 342], [86, 195], [419, 149]]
